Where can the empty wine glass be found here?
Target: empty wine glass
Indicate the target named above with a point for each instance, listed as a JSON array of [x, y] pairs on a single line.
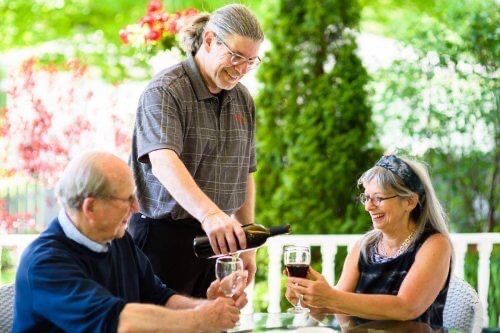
[[229, 271], [297, 260]]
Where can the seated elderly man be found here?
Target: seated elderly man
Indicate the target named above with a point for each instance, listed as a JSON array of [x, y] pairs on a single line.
[[84, 273]]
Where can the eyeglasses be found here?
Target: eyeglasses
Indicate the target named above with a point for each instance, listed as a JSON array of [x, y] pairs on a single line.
[[376, 200], [238, 59], [132, 199]]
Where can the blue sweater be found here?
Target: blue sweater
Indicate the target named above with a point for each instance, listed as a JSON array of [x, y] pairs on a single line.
[[63, 286]]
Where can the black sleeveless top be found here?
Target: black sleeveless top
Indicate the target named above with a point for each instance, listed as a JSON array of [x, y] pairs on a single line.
[[386, 278]]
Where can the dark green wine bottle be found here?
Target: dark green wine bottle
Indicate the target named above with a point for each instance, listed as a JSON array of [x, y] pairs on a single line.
[[256, 235]]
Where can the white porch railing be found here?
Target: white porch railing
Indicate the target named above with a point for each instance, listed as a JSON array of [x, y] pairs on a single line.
[[329, 244]]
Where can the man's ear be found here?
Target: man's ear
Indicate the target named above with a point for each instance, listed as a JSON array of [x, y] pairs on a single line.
[[208, 40], [88, 207]]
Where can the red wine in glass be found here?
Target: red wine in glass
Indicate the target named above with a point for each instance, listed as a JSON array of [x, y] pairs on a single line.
[[297, 260], [297, 270]]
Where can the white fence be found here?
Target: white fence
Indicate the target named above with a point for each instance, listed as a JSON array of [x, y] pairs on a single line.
[[328, 245]]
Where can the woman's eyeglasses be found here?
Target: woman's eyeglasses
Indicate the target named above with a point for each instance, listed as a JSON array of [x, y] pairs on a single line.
[[376, 200]]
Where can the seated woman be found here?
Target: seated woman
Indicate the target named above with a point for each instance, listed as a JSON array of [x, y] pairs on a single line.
[[400, 270]]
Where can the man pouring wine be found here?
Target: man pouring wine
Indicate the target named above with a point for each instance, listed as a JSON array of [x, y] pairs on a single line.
[[193, 151]]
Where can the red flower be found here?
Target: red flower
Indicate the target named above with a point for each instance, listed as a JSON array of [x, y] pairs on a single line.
[[157, 26], [155, 5]]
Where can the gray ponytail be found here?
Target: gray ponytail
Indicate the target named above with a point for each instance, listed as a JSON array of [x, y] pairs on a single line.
[[228, 20]]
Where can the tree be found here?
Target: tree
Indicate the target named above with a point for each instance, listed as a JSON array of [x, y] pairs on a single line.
[[86, 30], [314, 123], [447, 97]]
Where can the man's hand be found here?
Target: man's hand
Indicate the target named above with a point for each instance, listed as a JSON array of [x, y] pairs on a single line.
[[223, 231], [249, 264], [239, 297], [219, 314]]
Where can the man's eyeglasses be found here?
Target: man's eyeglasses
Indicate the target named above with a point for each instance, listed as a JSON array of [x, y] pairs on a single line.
[[376, 200], [132, 199], [238, 59]]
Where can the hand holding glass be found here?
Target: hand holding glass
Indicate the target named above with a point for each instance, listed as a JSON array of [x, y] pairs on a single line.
[[229, 271], [297, 260]]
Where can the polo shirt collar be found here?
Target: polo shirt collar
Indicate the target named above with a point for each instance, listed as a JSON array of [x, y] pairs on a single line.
[[72, 233], [199, 86]]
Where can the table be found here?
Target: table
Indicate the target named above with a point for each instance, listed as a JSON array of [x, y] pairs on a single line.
[[285, 322]]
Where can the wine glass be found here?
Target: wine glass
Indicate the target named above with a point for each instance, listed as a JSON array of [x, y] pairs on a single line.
[[229, 271], [297, 260]]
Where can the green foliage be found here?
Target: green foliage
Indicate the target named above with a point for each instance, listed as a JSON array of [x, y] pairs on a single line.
[[85, 30], [28, 23], [82, 29], [463, 184], [314, 121], [446, 99], [494, 290]]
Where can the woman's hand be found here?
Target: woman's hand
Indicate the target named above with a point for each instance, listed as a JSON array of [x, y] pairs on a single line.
[[290, 295], [316, 292]]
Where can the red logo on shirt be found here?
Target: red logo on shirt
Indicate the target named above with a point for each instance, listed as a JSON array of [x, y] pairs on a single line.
[[239, 117]]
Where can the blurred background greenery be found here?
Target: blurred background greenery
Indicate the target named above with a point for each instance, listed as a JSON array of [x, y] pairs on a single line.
[[324, 116]]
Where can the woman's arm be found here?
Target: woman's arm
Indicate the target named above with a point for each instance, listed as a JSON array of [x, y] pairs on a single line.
[[418, 291], [347, 281], [350, 272]]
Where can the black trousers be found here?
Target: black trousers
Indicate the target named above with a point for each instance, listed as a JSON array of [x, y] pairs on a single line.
[[169, 246]]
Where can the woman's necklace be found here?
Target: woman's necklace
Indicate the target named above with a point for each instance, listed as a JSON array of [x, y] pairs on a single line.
[[404, 246]]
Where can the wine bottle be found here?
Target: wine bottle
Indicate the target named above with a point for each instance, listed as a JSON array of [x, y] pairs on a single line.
[[256, 235]]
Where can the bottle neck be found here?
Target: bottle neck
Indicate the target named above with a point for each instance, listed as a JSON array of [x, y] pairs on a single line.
[[279, 230]]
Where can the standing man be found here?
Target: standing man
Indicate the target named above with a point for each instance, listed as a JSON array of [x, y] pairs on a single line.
[[193, 151], [85, 274]]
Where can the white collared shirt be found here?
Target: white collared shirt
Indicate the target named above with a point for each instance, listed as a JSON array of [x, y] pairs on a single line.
[[72, 233]]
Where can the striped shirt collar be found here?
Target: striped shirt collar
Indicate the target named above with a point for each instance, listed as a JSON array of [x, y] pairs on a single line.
[[200, 88], [72, 233]]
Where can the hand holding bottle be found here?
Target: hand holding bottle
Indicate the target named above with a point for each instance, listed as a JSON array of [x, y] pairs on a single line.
[[256, 235], [223, 231]]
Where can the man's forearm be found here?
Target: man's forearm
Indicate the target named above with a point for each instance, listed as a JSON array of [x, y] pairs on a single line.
[[182, 302], [137, 317], [172, 173]]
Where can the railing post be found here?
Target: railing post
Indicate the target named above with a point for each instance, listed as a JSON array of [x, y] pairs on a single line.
[[274, 277], [460, 251], [328, 252], [249, 291], [483, 276]]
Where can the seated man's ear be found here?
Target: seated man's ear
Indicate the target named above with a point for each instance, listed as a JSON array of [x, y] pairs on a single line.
[[89, 207]]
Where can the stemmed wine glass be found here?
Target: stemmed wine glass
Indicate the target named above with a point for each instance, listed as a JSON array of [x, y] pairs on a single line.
[[229, 271], [297, 260]]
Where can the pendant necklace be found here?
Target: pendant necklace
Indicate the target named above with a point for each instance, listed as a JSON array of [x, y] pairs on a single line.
[[404, 246]]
